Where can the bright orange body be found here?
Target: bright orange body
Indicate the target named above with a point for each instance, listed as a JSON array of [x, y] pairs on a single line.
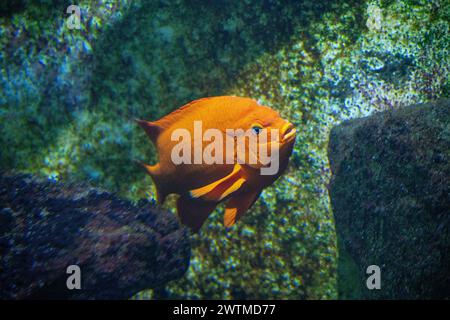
[[202, 186]]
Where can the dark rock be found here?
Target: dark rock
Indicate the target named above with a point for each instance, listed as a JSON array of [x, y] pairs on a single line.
[[390, 194], [121, 249]]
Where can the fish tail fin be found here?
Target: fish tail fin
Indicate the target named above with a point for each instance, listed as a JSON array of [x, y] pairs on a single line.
[[151, 129], [154, 172], [193, 213]]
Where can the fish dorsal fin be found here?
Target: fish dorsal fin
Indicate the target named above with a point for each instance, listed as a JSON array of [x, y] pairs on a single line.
[[151, 129], [169, 119], [193, 213], [237, 206], [154, 128], [221, 188]]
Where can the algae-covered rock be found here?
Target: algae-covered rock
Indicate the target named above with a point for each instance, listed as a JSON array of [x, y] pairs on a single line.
[[68, 98], [120, 248], [390, 194]]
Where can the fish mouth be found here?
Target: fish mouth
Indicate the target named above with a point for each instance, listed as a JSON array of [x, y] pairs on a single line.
[[288, 132]]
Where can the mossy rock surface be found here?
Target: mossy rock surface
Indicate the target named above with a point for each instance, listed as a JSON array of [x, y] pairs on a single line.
[[390, 195], [68, 98], [120, 248]]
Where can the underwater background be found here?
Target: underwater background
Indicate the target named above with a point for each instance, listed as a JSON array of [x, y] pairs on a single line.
[[68, 98]]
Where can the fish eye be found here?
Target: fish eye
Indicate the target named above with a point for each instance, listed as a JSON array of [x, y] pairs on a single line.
[[257, 128]]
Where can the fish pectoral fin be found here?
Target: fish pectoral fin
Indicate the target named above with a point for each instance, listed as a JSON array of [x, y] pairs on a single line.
[[232, 188], [221, 188], [193, 213], [237, 206]]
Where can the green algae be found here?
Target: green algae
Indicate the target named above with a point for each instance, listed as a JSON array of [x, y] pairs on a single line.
[[318, 63], [390, 200]]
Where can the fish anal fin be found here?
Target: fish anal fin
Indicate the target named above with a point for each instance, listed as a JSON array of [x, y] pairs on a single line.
[[237, 206], [152, 129], [221, 188], [193, 213]]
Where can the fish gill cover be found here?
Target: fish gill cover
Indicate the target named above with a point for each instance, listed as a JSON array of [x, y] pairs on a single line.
[[67, 99]]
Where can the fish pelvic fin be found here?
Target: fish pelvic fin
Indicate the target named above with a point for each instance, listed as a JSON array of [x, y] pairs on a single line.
[[193, 213], [221, 188], [237, 206], [152, 129], [153, 171]]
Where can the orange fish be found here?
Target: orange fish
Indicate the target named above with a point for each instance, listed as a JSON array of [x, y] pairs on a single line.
[[201, 159]]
